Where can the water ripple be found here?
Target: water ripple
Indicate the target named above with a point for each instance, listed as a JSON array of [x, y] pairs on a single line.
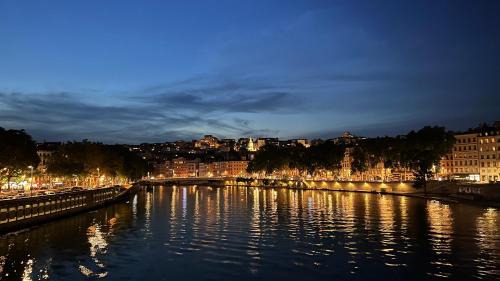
[[266, 234]]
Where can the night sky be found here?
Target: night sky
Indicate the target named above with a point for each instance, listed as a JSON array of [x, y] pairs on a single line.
[[151, 71]]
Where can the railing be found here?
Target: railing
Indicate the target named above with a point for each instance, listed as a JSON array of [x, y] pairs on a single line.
[[24, 211]]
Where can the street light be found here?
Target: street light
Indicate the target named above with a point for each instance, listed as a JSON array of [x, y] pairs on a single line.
[[31, 180], [98, 177]]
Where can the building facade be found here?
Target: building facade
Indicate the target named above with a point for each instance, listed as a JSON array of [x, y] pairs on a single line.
[[183, 168], [466, 157], [489, 154]]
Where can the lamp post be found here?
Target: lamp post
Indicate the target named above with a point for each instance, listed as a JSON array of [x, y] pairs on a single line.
[[98, 177], [31, 180]]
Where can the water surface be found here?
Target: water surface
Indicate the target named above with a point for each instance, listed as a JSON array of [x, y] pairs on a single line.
[[238, 233]]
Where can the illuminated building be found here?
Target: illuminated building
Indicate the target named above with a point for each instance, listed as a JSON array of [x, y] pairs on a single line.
[[183, 168], [250, 146], [208, 141], [489, 153], [223, 169], [465, 157], [446, 167], [44, 151]]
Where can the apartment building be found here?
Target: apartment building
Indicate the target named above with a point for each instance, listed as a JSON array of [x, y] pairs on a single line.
[[489, 153], [466, 157]]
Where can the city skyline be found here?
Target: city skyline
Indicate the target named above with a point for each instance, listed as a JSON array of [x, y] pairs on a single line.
[[119, 72]]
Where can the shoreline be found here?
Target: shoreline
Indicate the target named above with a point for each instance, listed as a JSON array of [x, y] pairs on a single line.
[[487, 194], [430, 196]]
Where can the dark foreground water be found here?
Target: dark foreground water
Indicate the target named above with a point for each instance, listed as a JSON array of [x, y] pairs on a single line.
[[202, 233]]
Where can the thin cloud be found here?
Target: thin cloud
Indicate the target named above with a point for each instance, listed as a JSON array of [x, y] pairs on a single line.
[[62, 115]]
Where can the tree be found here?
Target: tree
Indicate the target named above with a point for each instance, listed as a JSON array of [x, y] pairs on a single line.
[[424, 149], [359, 159], [269, 158], [17, 153], [83, 159], [325, 156]]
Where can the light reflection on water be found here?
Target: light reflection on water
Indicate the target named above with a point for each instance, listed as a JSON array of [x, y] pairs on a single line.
[[202, 233]]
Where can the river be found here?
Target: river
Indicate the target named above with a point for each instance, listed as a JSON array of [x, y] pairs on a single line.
[[239, 233]]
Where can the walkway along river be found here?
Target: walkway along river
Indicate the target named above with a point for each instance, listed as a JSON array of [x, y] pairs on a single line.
[[25, 212], [252, 233]]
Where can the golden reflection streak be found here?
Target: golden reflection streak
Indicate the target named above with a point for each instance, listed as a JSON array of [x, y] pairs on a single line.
[[255, 232], [225, 218], [441, 230], [28, 270], [196, 219], [487, 228], [368, 214], [173, 202], [98, 245], [217, 207], [403, 208], [386, 226], [148, 207], [184, 202], [293, 209], [274, 206]]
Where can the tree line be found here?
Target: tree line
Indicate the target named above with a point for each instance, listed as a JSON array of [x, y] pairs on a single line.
[[272, 158], [418, 151], [85, 158], [18, 155]]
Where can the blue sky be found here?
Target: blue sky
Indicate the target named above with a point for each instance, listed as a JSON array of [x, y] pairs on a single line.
[[150, 71]]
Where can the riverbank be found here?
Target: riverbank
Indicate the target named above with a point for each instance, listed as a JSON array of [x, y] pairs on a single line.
[[21, 213], [446, 191], [430, 196]]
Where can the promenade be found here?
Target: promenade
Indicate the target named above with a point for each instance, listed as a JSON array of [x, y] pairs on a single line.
[[18, 213]]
